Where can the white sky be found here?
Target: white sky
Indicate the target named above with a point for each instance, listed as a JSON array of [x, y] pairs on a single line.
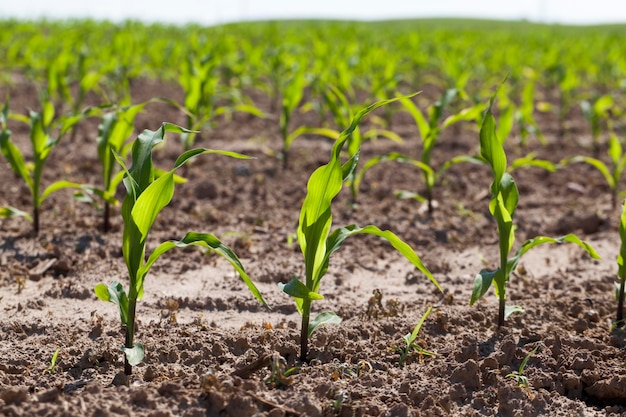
[[213, 11]]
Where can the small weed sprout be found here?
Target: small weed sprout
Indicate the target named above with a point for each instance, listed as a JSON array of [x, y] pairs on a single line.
[[518, 376], [53, 362], [279, 373], [410, 340]]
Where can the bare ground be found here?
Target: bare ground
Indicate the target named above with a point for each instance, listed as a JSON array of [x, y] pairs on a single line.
[[211, 347]]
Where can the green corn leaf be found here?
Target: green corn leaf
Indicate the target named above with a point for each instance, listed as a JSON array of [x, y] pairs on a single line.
[[509, 193], [530, 161], [142, 171], [297, 289], [135, 354], [491, 149], [508, 310], [205, 240], [305, 130], [457, 160], [597, 164], [151, 201], [336, 239], [410, 338], [326, 317], [615, 149], [8, 211], [467, 114], [375, 133], [186, 156], [102, 292], [540, 240], [115, 294], [506, 120], [603, 104], [15, 157], [38, 136], [392, 156], [406, 195], [621, 271], [60, 185], [418, 117], [482, 283]]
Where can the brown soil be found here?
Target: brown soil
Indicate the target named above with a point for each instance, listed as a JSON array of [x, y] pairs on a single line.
[[210, 346]]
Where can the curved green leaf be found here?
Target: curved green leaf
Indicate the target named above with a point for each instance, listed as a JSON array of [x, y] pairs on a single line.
[[134, 355], [15, 157], [204, 240], [8, 211], [336, 239], [482, 283], [186, 156], [151, 201], [59, 185], [326, 317], [297, 289]]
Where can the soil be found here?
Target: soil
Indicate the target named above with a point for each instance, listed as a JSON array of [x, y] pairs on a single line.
[[213, 350]]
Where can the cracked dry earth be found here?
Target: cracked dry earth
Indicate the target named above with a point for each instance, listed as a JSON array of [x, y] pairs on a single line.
[[213, 350]]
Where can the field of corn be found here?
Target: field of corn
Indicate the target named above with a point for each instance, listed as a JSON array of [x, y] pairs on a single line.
[[410, 218]]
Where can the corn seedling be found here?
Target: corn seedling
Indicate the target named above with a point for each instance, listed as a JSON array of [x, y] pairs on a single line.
[[595, 111], [524, 116], [114, 129], [200, 81], [612, 172], [53, 362], [410, 344], [317, 243], [42, 124], [621, 270], [430, 130], [146, 196], [502, 205], [343, 113], [565, 81], [520, 379]]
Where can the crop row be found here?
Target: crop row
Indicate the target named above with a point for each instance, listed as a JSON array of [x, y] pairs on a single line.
[[149, 190], [222, 68]]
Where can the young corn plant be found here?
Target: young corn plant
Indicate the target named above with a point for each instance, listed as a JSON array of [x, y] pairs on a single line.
[[146, 195], [200, 80], [343, 114], [43, 140], [114, 129], [595, 112], [520, 379], [318, 243], [621, 270], [430, 130], [502, 205], [410, 338], [611, 172]]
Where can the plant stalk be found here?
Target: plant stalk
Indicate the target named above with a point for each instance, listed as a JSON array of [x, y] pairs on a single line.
[[304, 330], [106, 222], [130, 334], [620, 305], [501, 309]]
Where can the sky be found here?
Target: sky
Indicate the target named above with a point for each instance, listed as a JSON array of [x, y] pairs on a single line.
[[210, 12]]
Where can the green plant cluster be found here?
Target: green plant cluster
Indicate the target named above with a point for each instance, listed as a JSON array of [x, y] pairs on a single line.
[[301, 67]]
